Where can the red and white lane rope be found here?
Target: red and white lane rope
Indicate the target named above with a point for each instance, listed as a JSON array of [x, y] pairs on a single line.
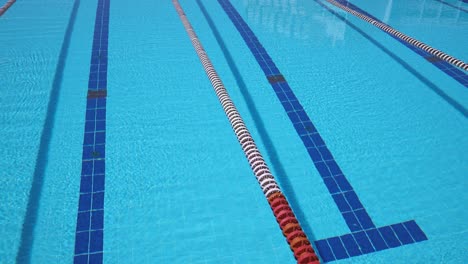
[[5, 7], [293, 232], [408, 39]]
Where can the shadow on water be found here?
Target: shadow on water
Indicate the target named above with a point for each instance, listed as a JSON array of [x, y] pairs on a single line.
[[30, 219], [405, 65], [281, 174]]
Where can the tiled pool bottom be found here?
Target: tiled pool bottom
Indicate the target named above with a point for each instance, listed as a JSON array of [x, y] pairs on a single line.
[[340, 187], [366, 238]]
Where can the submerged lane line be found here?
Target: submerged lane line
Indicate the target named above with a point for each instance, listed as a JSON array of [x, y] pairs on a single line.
[[295, 236], [444, 62], [365, 237], [345, 5], [270, 148], [457, 106], [89, 236]]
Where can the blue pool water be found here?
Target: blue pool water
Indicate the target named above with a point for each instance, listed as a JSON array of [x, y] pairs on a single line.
[[178, 188]]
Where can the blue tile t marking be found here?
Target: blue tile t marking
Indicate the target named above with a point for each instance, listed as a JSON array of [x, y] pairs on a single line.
[[365, 237]]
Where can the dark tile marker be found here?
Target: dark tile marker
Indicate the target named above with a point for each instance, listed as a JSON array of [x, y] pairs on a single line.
[[365, 237]]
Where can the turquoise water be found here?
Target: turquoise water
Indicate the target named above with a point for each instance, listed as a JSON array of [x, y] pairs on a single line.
[[178, 187]]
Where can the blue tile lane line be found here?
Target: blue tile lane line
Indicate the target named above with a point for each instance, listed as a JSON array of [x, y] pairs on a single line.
[[454, 6], [365, 237], [90, 220], [454, 72], [430, 85]]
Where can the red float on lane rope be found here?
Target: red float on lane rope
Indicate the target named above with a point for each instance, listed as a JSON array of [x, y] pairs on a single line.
[[297, 239]]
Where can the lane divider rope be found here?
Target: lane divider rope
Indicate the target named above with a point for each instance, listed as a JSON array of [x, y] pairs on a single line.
[[408, 39], [295, 236], [5, 7]]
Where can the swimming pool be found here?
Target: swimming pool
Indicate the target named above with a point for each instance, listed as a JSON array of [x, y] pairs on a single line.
[[388, 123]]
